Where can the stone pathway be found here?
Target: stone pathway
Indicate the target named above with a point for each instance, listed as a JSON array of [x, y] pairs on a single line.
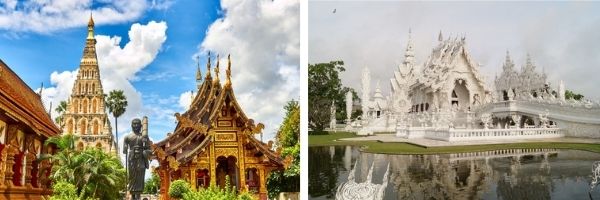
[[390, 138]]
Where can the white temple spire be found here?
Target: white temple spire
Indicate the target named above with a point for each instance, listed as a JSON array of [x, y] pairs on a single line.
[[365, 87]]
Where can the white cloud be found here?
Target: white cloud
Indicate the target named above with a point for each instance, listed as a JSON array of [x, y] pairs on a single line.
[[185, 99], [263, 40], [51, 15]]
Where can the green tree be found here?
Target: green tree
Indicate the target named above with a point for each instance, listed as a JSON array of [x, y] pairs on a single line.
[[287, 139], [288, 136], [178, 188], [62, 190], [324, 86], [60, 109], [181, 190], [571, 95], [151, 186], [116, 103], [94, 173]]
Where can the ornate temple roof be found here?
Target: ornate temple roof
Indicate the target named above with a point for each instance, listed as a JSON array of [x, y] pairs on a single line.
[[196, 127], [22, 103], [443, 59]]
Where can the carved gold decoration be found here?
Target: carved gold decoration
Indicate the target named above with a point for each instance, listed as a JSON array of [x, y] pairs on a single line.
[[188, 123], [173, 164], [225, 123], [226, 152], [159, 152], [225, 137], [228, 144]]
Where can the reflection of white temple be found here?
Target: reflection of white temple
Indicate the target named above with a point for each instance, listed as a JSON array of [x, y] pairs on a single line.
[[446, 98], [366, 190]]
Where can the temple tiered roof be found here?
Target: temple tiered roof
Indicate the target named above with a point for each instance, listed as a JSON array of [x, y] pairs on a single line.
[[196, 128], [23, 103]]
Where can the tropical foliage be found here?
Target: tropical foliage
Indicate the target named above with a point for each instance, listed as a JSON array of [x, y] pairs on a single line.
[[571, 95], [94, 173], [325, 86], [287, 139], [60, 109], [62, 190], [152, 184], [178, 188], [181, 190], [116, 102]]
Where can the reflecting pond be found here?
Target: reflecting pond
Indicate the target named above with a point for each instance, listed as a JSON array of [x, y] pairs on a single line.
[[500, 174]]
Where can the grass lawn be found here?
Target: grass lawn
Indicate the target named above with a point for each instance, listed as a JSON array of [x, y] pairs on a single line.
[[406, 148]]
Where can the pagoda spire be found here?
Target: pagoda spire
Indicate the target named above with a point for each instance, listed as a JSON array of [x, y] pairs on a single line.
[[409, 54], [440, 37], [217, 67], [208, 67], [90, 28], [508, 63], [198, 72], [228, 71]]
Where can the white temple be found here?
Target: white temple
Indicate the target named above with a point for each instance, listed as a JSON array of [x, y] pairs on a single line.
[[447, 98]]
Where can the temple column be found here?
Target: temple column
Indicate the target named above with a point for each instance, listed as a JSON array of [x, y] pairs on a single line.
[[213, 166], [29, 157], [164, 182], [10, 161], [193, 177], [3, 153], [262, 173]]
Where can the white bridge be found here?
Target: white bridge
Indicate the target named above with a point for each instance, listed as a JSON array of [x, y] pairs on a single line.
[[575, 118]]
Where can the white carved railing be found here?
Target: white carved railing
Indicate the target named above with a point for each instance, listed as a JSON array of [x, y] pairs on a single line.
[[521, 133], [478, 134], [499, 153]]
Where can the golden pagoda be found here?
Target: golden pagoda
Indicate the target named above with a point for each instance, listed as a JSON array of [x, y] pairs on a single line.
[[213, 139], [85, 115]]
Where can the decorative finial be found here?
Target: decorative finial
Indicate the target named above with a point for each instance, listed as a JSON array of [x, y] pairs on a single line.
[[198, 72], [208, 66], [41, 90], [91, 21], [217, 67], [228, 71], [91, 27], [440, 37]]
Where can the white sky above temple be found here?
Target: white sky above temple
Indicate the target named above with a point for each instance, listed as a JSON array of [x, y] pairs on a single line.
[[563, 38]]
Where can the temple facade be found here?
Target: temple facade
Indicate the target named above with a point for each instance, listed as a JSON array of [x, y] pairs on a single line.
[[85, 115], [214, 139], [446, 98], [24, 127]]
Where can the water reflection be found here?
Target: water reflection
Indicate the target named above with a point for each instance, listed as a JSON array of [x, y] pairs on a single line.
[[504, 174]]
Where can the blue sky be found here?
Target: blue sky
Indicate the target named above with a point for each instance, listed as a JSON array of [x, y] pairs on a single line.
[[148, 47]]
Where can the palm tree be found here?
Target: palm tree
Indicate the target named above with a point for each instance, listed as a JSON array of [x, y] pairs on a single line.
[[116, 104], [62, 107], [95, 173]]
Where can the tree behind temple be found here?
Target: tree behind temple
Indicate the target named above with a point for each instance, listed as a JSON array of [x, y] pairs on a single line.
[[117, 105], [324, 86]]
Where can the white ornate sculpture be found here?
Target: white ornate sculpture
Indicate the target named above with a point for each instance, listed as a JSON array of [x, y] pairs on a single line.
[[595, 175], [348, 110], [366, 92], [348, 105], [332, 115], [486, 119], [351, 190], [516, 119]]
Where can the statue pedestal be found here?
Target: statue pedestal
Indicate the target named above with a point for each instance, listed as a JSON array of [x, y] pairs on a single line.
[[348, 125]]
